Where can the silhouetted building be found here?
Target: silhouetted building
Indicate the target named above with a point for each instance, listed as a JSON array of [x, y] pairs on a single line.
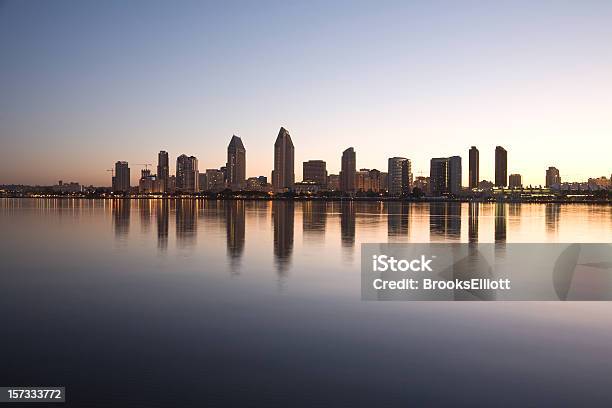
[[187, 178], [474, 170], [163, 170], [315, 171], [283, 176], [215, 180], [121, 181], [399, 175], [236, 164], [501, 167], [348, 169], [445, 175], [333, 182], [516, 181], [552, 177], [148, 183]]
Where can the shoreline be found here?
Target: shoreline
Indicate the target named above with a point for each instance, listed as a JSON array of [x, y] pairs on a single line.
[[321, 199]]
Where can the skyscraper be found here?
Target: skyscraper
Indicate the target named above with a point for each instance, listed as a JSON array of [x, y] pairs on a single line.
[[315, 171], [445, 175], [283, 176], [501, 167], [236, 164], [552, 177], [399, 175], [348, 170], [187, 178], [121, 181], [474, 170], [163, 170]]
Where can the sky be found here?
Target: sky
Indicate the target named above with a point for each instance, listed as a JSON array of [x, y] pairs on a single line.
[[86, 83]]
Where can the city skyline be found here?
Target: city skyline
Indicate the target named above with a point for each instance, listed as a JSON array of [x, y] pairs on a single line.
[[535, 82]]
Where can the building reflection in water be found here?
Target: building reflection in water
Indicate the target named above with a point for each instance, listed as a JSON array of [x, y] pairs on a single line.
[[473, 214], [162, 224], [347, 223], [121, 209], [398, 219], [501, 219], [186, 230], [314, 220], [235, 231], [282, 219], [144, 208], [444, 221], [552, 214]]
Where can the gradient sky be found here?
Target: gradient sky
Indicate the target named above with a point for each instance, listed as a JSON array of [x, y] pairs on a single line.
[[86, 83]]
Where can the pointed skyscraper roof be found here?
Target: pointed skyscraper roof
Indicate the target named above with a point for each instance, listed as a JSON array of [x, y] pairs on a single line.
[[236, 142]]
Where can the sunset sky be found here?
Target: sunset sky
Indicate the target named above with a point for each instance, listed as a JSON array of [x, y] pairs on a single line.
[[86, 83]]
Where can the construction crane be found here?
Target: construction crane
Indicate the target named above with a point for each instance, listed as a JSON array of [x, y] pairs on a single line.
[[112, 172], [146, 165]]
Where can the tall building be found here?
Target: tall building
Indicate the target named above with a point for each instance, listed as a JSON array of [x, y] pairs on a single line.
[[348, 170], [399, 176], [315, 171], [501, 167], [283, 176], [375, 180], [516, 181], [445, 175], [121, 180], [236, 164], [552, 177], [163, 170], [474, 170], [187, 178]]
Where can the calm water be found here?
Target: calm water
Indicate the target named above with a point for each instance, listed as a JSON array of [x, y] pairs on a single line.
[[244, 303]]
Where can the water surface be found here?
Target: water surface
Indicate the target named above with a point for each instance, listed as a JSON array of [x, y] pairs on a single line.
[[245, 303]]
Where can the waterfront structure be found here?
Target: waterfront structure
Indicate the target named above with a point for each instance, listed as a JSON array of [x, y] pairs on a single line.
[[474, 168], [375, 177], [516, 181], [71, 187], [445, 175], [163, 170], [501, 167], [306, 187], [348, 170], [236, 164], [283, 176], [121, 180], [553, 178], [333, 182], [399, 175], [315, 171], [187, 178], [422, 183]]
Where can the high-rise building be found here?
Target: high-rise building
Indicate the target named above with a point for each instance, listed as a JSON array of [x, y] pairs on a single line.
[[445, 175], [187, 178], [454, 174], [315, 171], [163, 170], [236, 164], [399, 176], [121, 181], [516, 181], [474, 170], [362, 180], [501, 167], [552, 177], [283, 176], [215, 180], [375, 180], [348, 170]]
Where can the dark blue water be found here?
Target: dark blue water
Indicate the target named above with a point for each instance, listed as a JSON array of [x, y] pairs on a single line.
[[192, 304]]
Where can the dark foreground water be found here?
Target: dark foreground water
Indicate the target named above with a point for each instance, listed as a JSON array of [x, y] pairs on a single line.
[[170, 303]]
